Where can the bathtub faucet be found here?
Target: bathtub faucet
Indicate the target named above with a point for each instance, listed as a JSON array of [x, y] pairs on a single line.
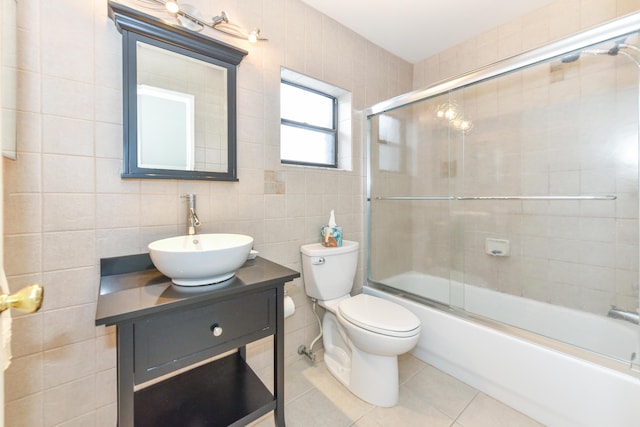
[[192, 217], [629, 316]]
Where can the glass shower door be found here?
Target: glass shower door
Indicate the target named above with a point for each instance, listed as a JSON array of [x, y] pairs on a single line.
[[516, 198], [410, 199]]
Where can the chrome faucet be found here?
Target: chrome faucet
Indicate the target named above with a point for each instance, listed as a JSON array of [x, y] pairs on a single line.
[[629, 316], [192, 218]]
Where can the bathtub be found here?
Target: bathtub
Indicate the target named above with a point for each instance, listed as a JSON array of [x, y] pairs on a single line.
[[552, 382]]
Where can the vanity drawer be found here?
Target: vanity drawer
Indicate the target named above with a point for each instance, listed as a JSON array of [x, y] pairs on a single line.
[[166, 342]]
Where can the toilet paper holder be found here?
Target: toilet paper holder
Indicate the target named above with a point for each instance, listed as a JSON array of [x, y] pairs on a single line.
[[289, 305]]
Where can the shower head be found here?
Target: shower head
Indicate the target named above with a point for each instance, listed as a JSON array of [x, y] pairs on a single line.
[[614, 50], [620, 43], [618, 48], [573, 57]]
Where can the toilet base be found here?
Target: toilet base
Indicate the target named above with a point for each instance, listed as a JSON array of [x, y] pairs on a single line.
[[372, 378], [340, 370], [337, 354]]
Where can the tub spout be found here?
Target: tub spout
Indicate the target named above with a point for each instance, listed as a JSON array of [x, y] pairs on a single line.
[[629, 316]]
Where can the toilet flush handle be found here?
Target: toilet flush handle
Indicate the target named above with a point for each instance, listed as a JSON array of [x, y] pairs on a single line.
[[318, 261]]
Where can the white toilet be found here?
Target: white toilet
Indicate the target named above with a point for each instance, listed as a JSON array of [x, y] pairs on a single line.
[[362, 335]]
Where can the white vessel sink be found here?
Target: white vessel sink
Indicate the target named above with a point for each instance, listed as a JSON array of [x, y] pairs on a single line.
[[201, 259]]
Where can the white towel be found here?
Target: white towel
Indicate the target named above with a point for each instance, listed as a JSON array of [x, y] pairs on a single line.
[[5, 326]]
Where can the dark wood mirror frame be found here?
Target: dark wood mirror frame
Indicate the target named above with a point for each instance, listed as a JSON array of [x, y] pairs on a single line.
[[136, 26]]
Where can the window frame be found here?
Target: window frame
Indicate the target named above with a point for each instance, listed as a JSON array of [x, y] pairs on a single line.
[[333, 132]]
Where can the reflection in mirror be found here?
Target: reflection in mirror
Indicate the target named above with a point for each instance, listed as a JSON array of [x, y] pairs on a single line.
[[169, 87], [165, 129]]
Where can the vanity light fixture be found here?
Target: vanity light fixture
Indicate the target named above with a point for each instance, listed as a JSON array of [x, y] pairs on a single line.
[[189, 17], [254, 35], [172, 7]]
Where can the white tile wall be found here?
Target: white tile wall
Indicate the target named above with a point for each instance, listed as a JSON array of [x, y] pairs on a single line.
[[66, 206]]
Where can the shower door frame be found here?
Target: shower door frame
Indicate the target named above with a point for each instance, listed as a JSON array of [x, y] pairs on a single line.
[[619, 27]]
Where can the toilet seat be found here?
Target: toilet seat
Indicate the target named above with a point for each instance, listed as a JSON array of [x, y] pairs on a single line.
[[379, 316]]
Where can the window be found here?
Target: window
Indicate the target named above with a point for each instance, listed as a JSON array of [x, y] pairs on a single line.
[[389, 143], [308, 126]]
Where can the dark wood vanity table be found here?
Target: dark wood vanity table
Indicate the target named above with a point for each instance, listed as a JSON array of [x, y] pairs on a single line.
[[162, 328]]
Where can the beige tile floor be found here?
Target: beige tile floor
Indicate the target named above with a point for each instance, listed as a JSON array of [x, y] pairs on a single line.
[[428, 397]]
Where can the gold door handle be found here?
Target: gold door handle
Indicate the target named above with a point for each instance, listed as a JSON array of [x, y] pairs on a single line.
[[28, 299]]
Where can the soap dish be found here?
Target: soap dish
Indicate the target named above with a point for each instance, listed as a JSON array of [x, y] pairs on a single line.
[[253, 254]]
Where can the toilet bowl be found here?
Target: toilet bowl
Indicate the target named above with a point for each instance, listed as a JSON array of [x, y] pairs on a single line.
[[362, 335]]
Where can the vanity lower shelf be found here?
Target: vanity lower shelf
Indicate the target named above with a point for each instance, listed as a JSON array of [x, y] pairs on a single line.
[[225, 392]]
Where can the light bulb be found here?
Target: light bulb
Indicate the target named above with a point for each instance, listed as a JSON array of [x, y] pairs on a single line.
[[451, 113], [253, 36], [461, 124], [172, 6], [447, 111]]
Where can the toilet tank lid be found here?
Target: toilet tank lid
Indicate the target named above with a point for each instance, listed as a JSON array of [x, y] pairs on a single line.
[[316, 249]]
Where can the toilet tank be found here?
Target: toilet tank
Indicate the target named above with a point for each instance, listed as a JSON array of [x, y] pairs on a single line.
[[328, 273]]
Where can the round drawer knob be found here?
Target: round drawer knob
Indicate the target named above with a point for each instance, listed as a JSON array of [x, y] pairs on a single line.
[[216, 330]]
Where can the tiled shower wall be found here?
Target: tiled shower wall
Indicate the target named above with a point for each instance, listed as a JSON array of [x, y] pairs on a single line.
[[561, 129], [552, 129], [556, 129], [66, 205]]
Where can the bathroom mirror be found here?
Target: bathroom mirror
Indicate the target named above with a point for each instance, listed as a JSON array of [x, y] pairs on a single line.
[[179, 100]]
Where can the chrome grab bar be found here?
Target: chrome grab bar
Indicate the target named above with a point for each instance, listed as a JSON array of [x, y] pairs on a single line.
[[552, 197], [558, 197], [415, 198]]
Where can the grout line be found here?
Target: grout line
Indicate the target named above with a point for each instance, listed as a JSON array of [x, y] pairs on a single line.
[[466, 407], [299, 396], [413, 375], [354, 423]]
